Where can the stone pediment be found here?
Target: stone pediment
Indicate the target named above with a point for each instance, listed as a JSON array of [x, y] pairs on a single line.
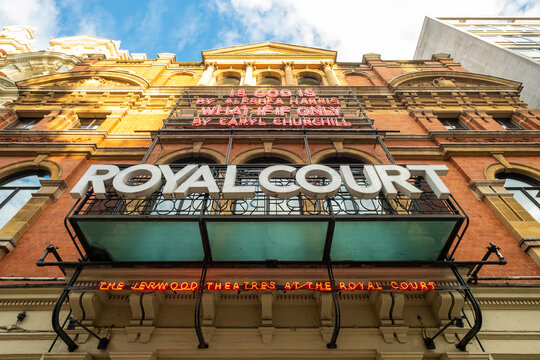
[[87, 79], [93, 81], [268, 49], [449, 80]]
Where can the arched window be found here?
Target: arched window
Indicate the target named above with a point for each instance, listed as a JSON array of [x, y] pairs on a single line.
[[357, 80], [263, 204], [229, 81], [273, 160], [344, 202], [194, 203], [180, 80], [269, 81], [193, 160], [526, 191], [309, 80], [16, 190], [340, 160]]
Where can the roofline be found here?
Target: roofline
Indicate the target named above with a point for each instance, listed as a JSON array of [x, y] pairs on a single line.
[[488, 18], [333, 52]]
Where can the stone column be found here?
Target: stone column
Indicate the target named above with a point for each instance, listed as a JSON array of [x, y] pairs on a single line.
[[289, 78], [207, 74], [248, 77], [326, 66]]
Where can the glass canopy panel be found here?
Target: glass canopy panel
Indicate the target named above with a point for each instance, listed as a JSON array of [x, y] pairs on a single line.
[[405, 240], [264, 240], [143, 240]]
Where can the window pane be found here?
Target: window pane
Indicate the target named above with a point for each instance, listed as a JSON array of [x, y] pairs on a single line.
[[453, 124], [88, 123], [24, 123], [27, 181], [229, 81], [4, 193], [269, 81], [308, 81], [526, 203], [508, 123], [17, 190], [509, 183], [13, 205], [535, 193]]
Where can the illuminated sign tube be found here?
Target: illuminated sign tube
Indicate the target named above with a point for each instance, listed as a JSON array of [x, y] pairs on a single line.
[[390, 179], [323, 286]]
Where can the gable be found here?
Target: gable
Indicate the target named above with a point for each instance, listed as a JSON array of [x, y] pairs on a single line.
[[450, 79], [266, 49], [87, 79]]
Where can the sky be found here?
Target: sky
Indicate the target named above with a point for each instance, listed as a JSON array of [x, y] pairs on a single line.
[[351, 27]]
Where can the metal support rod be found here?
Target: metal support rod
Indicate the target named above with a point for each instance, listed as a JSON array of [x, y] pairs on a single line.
[[165, 123], [329, 232], [229, 147], [379, 139], [103, 341], [460, 236], [56, 312], [335, 299], [63, 324], [491, 249], [85, 328], [306, 145], [204, 231], [386, 151], [429, 340], [198, 331], [476, 309], [69, 230], [51, 249]]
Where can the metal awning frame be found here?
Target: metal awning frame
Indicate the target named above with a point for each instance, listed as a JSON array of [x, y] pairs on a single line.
[[446, 258]]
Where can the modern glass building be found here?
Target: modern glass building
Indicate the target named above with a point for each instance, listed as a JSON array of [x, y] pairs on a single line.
[[508, 47]]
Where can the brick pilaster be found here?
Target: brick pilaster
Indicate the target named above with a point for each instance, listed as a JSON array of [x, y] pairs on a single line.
[[528, 119], [426, 119]]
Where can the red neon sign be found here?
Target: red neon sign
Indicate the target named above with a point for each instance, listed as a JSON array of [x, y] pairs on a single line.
[[270, 107], [323, 286]]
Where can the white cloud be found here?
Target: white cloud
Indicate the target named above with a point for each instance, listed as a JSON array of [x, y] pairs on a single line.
[[353, 27], [152, 21], [86, 20], [40, 15]]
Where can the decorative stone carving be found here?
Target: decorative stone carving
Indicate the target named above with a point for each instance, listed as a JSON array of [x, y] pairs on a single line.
[[288, 68], [454, 79], [28, 65], [383, 306], [92, 82], [326, 66], [444, 82]]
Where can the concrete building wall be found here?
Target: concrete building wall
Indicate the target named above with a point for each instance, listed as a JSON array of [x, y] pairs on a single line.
[[477, 55]]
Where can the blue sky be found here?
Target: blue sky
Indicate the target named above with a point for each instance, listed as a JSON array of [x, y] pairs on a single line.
[[352, 27]]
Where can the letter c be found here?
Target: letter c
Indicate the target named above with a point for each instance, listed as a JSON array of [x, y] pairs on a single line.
[[271, 189]]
